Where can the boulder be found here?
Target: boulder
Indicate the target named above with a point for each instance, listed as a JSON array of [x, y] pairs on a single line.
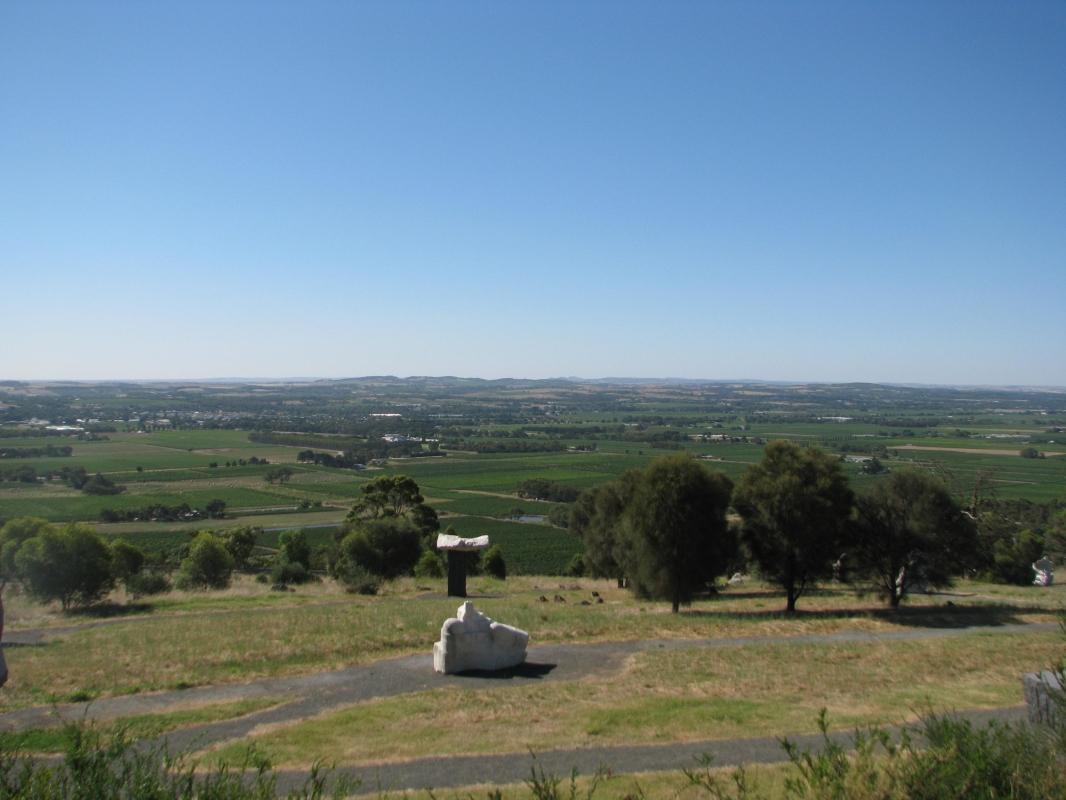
[[472, 641], [1044, 696]]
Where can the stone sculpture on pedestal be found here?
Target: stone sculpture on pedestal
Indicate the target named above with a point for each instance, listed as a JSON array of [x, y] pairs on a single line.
[[458, 550]]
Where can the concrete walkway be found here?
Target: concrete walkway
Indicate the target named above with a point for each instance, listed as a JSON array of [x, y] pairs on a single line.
[[443, 773], [304, 696]]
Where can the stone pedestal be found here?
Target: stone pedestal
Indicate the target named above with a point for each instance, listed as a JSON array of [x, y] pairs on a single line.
[[458, 550], [457, 573]]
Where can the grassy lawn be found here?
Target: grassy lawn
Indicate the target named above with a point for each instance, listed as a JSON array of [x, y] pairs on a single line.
[[680, 695], [183, 639], [54, 739]]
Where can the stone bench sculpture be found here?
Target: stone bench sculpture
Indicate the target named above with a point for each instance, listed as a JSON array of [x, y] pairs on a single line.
[[472, 641]]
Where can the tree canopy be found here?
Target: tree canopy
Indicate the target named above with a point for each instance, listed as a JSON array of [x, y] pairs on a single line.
[[795, 504], [596, 517], [909, 531], [394, 496], [208, 565], [678, 538], [71, 564], [387, 547]]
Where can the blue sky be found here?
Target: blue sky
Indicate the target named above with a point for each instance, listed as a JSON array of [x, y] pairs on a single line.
[[794, 191]]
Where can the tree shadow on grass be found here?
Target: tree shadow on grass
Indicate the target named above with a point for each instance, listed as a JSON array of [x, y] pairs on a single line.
[[108, 610], [949, 616]]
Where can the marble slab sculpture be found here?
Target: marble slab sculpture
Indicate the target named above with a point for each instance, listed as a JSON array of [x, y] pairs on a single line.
[[472, 641]]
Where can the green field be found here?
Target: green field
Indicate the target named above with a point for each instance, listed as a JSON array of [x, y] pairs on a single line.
[[477, 492], [528, 549], [83, 507]]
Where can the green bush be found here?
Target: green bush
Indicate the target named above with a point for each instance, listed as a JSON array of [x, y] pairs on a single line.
[[209, 564], [126, 560], [12, 536], [494, 563], [289, 572], [294, 548], [949, 759], [429, 565], [387, 547], [71, 565], [240, 542], [576, 567], [142, 584], [1013, 557], [357, 579]]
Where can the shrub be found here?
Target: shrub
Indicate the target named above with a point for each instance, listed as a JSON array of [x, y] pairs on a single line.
[[12, 536], [126, 560], [357, 579], [97, 766], [494, 564], [288, 572], [576, 567], [955, 760], [101, 485], [387, 547], [295, 548], [429, 565], [240, 542], [146, 583], [71, 565], [1013, 557], [208, 565]]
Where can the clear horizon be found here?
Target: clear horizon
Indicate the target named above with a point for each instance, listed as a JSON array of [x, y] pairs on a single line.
[[818, 193], [573, 378]]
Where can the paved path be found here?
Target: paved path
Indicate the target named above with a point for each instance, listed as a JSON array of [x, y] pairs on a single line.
[[442, 773], [308, 695], [304, 696]]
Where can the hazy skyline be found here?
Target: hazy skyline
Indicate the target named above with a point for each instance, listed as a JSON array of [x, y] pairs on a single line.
[[803, 192]]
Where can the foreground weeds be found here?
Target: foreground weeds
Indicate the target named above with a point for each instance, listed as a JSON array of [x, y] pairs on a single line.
[[943, 759], [99, 767]]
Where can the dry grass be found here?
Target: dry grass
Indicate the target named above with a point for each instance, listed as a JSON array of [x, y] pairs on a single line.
[[630, 786], [54, 738], [679, 695], [246, 632]]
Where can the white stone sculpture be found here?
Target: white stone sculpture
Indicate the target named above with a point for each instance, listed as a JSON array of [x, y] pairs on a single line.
[[473, 641], [447, 541], [1044, 572]]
